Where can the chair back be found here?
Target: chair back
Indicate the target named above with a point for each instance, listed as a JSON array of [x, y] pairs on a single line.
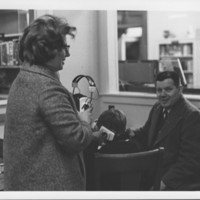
[[130, 166]]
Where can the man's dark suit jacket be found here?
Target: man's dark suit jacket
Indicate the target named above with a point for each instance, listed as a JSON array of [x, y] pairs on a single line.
[[180, 136]]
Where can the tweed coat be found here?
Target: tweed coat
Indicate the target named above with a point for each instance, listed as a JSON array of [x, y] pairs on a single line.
[[44, 137], [180, 136]]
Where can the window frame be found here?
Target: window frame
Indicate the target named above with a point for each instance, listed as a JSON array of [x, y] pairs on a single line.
[[108, 60]]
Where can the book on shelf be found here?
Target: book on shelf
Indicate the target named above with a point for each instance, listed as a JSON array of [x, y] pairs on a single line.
[[4, 60], [9, 51], [16, 52], [187, 49], [176, 49]]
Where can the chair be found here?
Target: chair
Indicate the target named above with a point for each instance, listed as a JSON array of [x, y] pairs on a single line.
[[130, 167]]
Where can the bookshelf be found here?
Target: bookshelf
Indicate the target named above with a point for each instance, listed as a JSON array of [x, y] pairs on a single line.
[[12, 24], [188, 52]]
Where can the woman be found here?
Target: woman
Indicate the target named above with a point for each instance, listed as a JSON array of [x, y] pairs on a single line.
[[44, 134]]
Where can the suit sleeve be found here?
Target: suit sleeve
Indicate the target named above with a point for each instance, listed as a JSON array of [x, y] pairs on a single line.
[[56, 105], [187, 166]]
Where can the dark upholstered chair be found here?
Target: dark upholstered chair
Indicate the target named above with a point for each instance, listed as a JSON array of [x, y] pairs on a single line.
[[130, 168]]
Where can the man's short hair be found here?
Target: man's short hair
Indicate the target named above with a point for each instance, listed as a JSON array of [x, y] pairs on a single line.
[[114, 120], [169, 74]]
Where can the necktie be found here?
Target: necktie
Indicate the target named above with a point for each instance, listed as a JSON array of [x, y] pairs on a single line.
[[165, 113]]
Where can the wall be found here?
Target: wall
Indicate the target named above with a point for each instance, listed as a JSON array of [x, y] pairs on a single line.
[[83, 49], [135, 105]]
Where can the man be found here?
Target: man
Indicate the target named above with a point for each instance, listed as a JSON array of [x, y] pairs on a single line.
[[179, 134]]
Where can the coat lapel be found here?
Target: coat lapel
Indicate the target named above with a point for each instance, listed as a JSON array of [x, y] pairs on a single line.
[[169, 125], [174, 117]]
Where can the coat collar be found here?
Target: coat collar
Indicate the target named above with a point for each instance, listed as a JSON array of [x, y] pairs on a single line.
[[40, 70], [46, 72]]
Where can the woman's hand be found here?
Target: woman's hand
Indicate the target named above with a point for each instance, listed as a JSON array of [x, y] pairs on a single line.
[[99, 137], [86, 115]]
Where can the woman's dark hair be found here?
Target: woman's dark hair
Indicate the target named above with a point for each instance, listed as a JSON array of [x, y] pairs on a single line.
[[169, 74], [114, 120], [42, 37]]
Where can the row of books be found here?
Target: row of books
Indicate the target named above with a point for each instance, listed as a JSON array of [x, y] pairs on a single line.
[[176, 49], [9, 51]]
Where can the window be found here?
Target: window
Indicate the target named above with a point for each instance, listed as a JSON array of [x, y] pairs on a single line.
[[147, 39]]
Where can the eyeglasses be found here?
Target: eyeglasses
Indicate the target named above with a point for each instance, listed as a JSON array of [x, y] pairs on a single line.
[[66, 48]]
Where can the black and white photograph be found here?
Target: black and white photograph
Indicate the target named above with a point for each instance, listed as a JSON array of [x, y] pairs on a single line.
[[100, 99]]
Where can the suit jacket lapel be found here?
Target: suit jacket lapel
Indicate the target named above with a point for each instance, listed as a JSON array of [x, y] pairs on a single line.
[[169, 125], [173, 118]]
